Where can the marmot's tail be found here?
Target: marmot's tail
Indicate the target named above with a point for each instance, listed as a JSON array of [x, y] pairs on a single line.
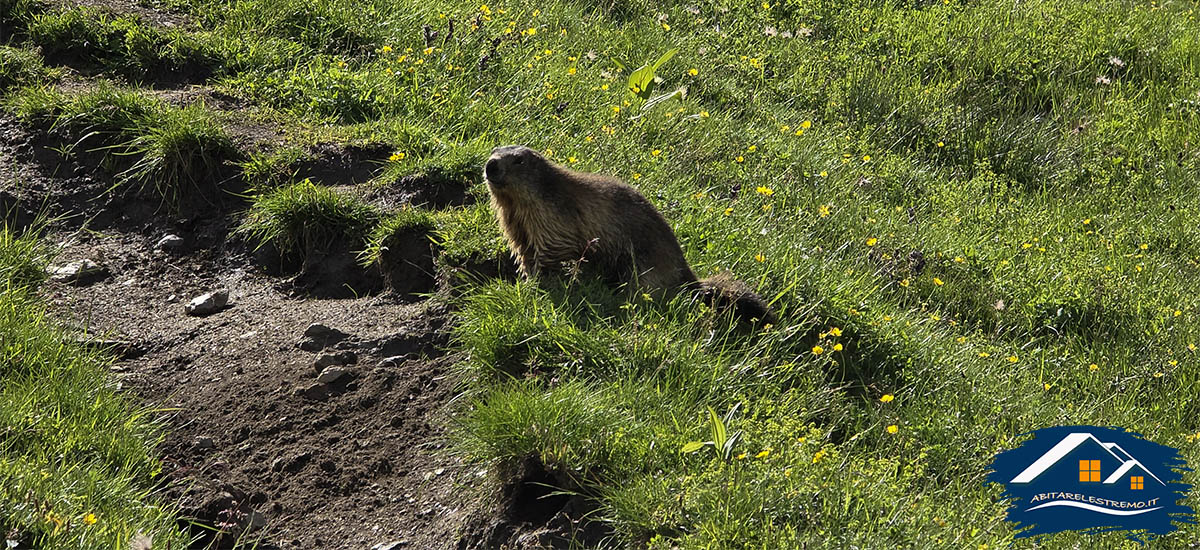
[[723, 292]]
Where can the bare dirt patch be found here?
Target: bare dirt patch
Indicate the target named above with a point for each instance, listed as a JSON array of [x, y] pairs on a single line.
[[252, 437]]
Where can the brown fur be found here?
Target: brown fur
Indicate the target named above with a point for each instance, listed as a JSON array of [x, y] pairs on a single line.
[[552, 216]]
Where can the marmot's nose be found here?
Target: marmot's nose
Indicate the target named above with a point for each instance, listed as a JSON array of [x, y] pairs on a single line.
[[491, 170]]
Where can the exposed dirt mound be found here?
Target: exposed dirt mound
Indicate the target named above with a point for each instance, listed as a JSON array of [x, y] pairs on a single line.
[[66, 178], [337, 164], [534, 512], [430, 191], [407, 262]]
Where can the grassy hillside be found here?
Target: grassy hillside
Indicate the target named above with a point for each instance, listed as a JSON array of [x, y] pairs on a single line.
[[975, 218]]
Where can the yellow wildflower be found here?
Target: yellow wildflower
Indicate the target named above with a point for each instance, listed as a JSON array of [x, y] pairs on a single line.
[[893, 429], [887, 398], [871, 241], [818, 350]]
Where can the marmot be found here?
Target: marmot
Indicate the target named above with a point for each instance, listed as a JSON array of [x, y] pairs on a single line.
[[551, 215]]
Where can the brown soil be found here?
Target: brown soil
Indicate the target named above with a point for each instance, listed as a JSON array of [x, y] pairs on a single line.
[[252, 436]]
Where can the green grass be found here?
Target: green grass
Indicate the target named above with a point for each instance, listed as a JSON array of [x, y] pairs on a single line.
[[153, 148], [20, 67], [984, 198], [75, 465], [123, 44], [304, 218]]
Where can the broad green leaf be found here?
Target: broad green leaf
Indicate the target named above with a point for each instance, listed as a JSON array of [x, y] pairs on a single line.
[[641, 82], [693, 446], [718, 428]]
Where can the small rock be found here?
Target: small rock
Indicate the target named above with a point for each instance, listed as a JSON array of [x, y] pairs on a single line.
[[172, 298], [332, 374], [394, 361], [393, 545], [209, 303], [318, 330], [204, 442], [170, 243], [335, 358], [254, 521], [317, 391], [80, 272]]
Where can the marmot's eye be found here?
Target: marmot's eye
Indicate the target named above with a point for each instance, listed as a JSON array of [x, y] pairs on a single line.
[[519, 161]]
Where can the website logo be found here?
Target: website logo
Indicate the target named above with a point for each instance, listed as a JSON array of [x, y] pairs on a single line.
[[1088, 478]]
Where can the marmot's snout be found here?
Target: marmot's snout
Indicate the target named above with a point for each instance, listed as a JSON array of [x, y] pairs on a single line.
[[492, 170]]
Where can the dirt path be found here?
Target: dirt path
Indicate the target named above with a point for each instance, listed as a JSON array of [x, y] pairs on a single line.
[[252, 437]]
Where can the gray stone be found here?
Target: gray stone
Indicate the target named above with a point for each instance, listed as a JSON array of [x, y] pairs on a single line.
[[308, 344], [204, 442], [393, 545], [334, 358], [79, 272], [395, 360], [208, 303], [332, 374], [170, 243], [318, 330]]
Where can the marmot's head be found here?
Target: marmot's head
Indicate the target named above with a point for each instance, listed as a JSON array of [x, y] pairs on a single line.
[[516, 169]]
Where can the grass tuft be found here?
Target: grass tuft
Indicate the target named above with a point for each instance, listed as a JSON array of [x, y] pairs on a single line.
[[304, 218]]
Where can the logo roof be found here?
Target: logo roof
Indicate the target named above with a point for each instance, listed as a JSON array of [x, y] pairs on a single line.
[[1070, 443]]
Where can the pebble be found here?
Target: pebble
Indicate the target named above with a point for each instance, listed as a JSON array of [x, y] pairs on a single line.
[[318, 330], [170, 243], [208, 303], [332, 374], [393, 545], [79, 272], [334, 358]]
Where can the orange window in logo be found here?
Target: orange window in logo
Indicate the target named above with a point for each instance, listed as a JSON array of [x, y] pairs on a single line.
[[1089, 471], [1135, 482]]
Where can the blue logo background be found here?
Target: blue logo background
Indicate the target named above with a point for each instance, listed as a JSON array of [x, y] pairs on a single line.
[[1094, 479]]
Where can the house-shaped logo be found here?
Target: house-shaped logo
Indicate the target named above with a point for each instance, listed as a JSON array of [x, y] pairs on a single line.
[[1094, 479]]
